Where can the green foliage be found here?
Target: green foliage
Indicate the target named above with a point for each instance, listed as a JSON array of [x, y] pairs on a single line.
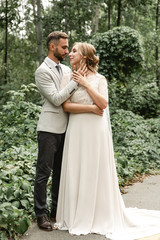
[[17, 168], [17, 162], [72, 17], [139, 96], [21, 61], [12, 11], [120, 52], [21, 44], [136, 143], [144, 100], [20, 118]]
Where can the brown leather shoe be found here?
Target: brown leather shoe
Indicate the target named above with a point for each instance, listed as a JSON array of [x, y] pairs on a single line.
[[44, 223]]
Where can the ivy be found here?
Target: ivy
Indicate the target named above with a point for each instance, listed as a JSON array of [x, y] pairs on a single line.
[[136, 144], [17, 162], [120, 51]]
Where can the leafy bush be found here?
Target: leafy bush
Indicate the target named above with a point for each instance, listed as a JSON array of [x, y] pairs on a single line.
[[18, 119], [17, 162], [136, 144], [17, 169], [141, 98], [120, 52], [144, 100]]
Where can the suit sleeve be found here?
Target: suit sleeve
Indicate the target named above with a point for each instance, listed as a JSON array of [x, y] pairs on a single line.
[[47, 88]]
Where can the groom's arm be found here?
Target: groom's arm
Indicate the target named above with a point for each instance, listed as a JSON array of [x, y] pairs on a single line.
[[47, 88]]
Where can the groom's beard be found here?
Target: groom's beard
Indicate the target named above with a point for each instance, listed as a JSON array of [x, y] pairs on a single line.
[[59, 56]]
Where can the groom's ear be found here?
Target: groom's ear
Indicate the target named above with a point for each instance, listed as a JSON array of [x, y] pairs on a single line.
[[52, 46]]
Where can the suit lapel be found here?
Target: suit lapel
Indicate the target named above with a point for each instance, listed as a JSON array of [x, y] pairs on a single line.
[[55, 74]]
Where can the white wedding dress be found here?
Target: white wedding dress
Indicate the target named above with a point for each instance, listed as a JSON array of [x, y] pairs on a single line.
[[89, 197]]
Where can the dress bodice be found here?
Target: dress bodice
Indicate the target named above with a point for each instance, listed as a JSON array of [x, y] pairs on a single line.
[[97, 81]]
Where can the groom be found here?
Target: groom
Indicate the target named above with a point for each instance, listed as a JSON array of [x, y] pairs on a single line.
[[52, 125]]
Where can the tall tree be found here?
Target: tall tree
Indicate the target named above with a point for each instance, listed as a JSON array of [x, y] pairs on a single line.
[[157, 48], [95, 19], [75, 17], [9, 18], [37, 8], [119, 13], [6, 43], [109, 14]]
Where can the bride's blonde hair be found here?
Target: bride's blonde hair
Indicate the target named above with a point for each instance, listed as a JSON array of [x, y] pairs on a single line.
[[88, 50]]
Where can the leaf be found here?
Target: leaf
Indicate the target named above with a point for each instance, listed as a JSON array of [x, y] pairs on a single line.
[[18, 212], [17, 193], [1, 164], [3, 225], [22, 226], [25, 203], [4, 205], [26, 185], [16, 204], [3, 235], [9, 194]]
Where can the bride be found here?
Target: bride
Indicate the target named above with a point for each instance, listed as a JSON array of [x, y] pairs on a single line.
[[89, 197]]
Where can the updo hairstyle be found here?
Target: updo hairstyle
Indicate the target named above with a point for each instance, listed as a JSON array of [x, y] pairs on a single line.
[[88, 50]]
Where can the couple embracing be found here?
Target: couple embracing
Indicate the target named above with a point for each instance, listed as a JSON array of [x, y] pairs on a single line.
[[75, 144]]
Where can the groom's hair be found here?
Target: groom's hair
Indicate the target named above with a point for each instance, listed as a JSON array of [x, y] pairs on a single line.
[[55, 36]]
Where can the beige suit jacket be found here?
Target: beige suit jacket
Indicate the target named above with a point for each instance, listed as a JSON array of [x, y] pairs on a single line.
[[53, 119]]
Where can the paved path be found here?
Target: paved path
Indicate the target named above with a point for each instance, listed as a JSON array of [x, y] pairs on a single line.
[[142, 195]]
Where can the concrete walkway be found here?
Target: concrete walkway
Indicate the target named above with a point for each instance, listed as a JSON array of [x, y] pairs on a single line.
[[142, 195]]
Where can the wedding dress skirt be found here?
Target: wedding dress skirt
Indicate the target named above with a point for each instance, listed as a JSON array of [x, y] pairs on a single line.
[[89, 197]]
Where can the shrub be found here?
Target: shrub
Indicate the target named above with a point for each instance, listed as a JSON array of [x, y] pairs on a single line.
[[141, 98], [136, 144], [18, 119], [18, 146], [144, 100], [17, 169], [120, 52]]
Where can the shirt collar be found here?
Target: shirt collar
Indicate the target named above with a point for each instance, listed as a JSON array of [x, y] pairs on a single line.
[[52, 63]]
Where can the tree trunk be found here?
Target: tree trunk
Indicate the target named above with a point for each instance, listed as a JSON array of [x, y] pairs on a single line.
[[119, 13], [39, 32], [135, 19], [79, 20], [109, 14], [95, 19], [38, 25], [6, 43], [157, 49]]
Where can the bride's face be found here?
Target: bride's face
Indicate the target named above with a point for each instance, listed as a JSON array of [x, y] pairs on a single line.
[[75, 56]]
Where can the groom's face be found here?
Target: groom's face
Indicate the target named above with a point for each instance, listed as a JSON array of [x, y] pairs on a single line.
[[61, 49]]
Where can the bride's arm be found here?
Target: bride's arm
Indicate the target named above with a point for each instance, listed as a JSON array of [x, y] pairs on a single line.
[[97, 98], [81, 108]]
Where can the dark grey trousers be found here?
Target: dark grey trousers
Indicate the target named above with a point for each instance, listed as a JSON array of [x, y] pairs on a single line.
[[50, 149]]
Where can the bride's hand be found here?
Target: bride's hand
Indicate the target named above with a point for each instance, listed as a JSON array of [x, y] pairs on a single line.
[[83, 69], [97, 110], [80, 79]]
